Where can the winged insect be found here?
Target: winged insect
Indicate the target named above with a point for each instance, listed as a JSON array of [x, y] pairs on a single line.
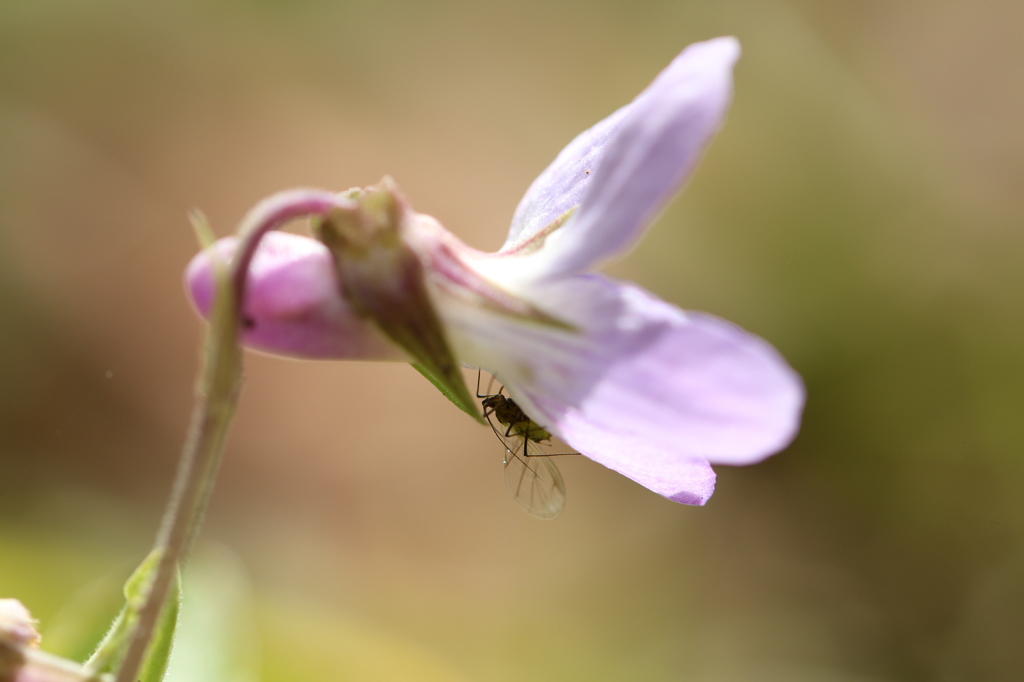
[[531, 478]]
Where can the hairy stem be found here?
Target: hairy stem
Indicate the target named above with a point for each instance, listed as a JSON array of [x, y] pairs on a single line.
[[216, 400]]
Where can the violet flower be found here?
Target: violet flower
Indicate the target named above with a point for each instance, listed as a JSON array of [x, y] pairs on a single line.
[[646, 389]]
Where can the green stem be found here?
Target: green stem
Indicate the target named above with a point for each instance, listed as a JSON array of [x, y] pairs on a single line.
[[216, 401]]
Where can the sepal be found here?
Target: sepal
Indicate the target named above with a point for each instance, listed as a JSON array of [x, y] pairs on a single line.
[[383, 279]]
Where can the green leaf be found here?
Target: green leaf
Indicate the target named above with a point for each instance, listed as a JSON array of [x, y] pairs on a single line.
[[154, 666], [137, 587], [112, 647]]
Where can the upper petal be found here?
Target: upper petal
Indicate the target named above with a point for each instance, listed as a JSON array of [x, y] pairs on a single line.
[[637, 160], [562, 184], [293, 305], [646, 389]]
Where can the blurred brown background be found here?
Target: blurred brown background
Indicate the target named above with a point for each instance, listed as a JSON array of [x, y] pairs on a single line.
[[862, 210]]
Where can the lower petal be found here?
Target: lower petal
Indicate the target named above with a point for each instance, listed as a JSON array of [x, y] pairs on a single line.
[[646, 389]]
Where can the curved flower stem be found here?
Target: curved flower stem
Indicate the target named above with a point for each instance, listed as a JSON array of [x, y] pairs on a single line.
[[216, 400]]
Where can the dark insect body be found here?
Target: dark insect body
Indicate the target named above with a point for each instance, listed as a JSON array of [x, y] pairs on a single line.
[[531, 478], [509, 414]]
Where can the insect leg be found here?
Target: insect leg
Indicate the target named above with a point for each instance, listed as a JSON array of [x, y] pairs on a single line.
[[490, 384]]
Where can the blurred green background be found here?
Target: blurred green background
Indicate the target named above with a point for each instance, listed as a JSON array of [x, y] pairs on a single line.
[[862, 209]]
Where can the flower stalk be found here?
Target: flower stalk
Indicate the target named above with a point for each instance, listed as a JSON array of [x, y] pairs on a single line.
[[216, 402]]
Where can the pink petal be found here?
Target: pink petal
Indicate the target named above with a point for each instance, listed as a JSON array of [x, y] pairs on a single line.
[[647, 390], [645, 159], [293, 305]]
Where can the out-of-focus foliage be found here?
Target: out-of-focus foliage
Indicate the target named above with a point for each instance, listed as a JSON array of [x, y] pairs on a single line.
[[861, 209]]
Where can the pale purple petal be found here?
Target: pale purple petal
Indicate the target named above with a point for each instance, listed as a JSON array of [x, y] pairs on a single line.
[[646, 160], [562, 184], [293, 305], [646, 390], [702, 387]]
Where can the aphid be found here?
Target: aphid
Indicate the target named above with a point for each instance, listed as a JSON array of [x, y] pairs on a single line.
[[531, 478]]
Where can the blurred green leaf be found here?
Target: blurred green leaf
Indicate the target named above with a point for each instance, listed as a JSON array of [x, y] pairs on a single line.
[[217, 640], [305, 642]]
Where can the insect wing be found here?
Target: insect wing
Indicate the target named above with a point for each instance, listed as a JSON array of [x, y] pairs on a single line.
[[531, 478], [533, 481]]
